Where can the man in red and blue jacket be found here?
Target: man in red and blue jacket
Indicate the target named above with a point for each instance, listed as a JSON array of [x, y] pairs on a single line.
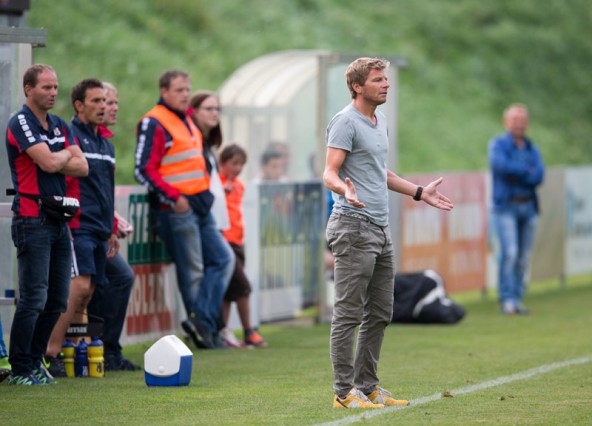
[[171, 165], [41, 152]]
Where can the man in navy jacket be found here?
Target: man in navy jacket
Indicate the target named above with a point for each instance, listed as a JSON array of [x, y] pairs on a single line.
[[93, 227]]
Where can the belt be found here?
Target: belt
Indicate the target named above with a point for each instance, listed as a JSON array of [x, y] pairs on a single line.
[[356, 216], [523, 199]]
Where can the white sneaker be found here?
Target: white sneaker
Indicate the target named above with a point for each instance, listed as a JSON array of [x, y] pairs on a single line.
[[508, 308], [230, 339]]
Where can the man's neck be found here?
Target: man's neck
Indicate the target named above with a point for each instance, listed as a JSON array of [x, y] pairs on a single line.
[[86, 123], [518, 140], [181, 114], [41, 115], [367, 110]]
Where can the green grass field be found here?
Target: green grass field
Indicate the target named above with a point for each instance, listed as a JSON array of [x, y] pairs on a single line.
[[290, 382]]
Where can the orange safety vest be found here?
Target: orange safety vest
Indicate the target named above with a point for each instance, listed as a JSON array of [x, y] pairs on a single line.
[[183, 166]]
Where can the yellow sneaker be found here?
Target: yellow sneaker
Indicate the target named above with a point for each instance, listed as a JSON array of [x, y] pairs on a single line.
[[354, 399], [382, 396]]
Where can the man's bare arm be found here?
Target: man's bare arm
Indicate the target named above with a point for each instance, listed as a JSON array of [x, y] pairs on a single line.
[[333, 163], [69, 161], [49, 162], [77, 166], [430, 194]]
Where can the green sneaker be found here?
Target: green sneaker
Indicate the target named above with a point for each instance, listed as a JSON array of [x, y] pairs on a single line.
[[4, 368], [25, 380], [4, 364], [44, 378], [53, 367]]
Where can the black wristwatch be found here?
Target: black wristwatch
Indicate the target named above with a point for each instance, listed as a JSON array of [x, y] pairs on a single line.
[[417, 196]]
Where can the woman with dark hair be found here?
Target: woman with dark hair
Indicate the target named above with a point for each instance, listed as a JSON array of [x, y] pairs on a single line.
[[204, 110], [205, 113]]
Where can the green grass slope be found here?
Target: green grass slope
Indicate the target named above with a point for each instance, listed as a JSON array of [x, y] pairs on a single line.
[[467, 60]]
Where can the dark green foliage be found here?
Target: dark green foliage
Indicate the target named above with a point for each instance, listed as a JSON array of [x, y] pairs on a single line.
[[467, 59]]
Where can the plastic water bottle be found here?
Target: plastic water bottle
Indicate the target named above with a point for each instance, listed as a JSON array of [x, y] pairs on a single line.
[[81, 359], [68, 349], [96, 361]]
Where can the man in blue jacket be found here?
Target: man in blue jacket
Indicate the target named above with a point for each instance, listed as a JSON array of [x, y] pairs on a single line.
[[517, 169]]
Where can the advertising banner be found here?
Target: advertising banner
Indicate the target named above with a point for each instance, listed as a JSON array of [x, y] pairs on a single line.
[[549, 251], [578, 221], [454, 244], [155, 308]]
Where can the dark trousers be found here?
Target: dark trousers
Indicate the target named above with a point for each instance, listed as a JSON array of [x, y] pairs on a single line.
[[110, 301], [44, 262]]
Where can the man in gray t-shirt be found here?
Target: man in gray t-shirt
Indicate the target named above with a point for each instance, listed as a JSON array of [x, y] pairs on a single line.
[[366, 145], [359, 235]]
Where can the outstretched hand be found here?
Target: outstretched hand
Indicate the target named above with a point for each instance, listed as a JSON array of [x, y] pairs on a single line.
[[434, 198], [350, 194]]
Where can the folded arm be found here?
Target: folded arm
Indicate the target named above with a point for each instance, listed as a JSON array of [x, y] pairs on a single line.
[[69, 161]]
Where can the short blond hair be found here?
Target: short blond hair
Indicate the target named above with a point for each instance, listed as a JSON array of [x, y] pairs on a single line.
[[109, 87], [358, 71]]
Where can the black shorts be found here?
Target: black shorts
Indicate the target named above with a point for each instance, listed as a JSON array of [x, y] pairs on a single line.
[[239, 283], [90, 257]]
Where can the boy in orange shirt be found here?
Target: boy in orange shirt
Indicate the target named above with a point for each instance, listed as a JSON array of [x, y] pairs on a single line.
[[231, 161]]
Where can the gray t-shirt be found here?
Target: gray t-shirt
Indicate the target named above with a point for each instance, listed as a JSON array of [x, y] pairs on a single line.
[[365, 162]]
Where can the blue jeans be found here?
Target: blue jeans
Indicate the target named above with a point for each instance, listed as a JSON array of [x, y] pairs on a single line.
[[219, 262], [110, 301], [204, 263], [364, 293], [44, 261], [515, 226]]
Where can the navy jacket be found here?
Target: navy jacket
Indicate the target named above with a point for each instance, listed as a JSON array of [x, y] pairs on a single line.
[[96, 191]]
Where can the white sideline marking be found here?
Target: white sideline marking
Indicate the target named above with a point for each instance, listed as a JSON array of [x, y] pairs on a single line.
[[467, 389]]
